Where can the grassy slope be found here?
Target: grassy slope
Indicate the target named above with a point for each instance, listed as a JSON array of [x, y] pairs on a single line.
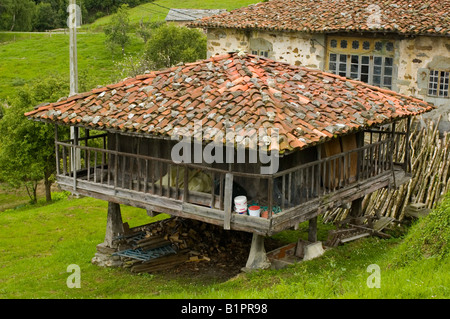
[[26, 57], [41, 56], [156, 13], [38, 243]]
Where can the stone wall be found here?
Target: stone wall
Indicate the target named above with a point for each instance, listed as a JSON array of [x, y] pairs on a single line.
[[292, 47], [416, 57], [413, 60]]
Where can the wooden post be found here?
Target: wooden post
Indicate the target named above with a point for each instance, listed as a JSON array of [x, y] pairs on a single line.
[[406, 165], [75, 158], [58, 169], [116, 161], [114, 224], [360, 154], [228, 201], [312, 231], [73, 66], [73, 47], [270, 194], [319, 173]]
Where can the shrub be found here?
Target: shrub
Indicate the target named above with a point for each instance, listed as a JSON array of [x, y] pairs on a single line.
[[428, 237]]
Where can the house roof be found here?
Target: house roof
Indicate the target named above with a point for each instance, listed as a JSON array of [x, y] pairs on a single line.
[[409, 17], [191, 14], [235, 91]]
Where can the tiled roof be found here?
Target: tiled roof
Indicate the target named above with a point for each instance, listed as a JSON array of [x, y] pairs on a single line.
[[191, 14], [396, 16], [238, 91]]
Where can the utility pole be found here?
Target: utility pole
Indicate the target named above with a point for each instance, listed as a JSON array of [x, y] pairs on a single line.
[[73, 21], [72, 24]]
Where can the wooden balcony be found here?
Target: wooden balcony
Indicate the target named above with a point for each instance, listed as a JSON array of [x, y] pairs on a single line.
[[159, 185]]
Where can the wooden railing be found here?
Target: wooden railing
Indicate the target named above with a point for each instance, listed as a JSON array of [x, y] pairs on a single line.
[[301, 184], [164, 178]]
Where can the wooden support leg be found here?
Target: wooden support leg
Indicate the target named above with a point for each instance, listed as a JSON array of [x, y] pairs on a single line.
[[257, 258], [312, 231], [114, 224]]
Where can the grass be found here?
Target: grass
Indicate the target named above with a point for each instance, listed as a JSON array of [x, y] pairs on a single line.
[[40, 56], [27, 57], [37, 243], [153, 12]]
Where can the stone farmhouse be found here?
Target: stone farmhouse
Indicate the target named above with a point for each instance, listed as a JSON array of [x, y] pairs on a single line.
[[399, 45]]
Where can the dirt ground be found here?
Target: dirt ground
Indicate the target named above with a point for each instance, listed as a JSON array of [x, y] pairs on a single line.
[[226, 251]]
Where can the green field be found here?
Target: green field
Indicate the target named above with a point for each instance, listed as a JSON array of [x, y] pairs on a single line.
[[28, 57], [38, 243], [157, 11], [40, 56]]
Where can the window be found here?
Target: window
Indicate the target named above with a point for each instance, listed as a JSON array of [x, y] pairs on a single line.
[[367, 60], [261, 53], [366, 45], [439, 83], [261, 47]]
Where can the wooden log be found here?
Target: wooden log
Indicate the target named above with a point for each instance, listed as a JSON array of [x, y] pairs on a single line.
[[163, 262]]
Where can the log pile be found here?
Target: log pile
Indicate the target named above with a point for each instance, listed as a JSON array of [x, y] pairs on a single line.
[[430, 167], [192, 242]]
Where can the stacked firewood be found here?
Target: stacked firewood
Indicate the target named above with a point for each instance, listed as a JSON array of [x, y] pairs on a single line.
[[191, 241], [430, 167]]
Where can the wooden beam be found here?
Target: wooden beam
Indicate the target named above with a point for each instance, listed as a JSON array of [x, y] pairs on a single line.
[[58, 169], [228, 198], [75, 157], [407, 163]]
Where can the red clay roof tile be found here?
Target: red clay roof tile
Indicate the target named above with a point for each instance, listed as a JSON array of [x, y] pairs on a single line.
[[410, 17], [301, 115]]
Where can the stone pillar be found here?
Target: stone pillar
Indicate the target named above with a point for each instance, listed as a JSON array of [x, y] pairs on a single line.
[[114, 224], [257, 258]]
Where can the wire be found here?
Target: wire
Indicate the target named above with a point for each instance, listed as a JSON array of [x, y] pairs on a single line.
[[153, 11]]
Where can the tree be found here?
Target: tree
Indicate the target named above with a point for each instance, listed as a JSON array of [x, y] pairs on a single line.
[[45, 17], [146, 29], [27, 153], [16, 15], [170, 44], [25, 157], [117, 31]]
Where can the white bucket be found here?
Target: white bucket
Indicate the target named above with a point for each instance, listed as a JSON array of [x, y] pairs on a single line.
[[254, 211], [240, 204]]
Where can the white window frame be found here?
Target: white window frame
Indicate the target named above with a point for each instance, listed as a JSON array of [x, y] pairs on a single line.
[[336, 60], [438, 83], [360, 60], [263, 53]]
